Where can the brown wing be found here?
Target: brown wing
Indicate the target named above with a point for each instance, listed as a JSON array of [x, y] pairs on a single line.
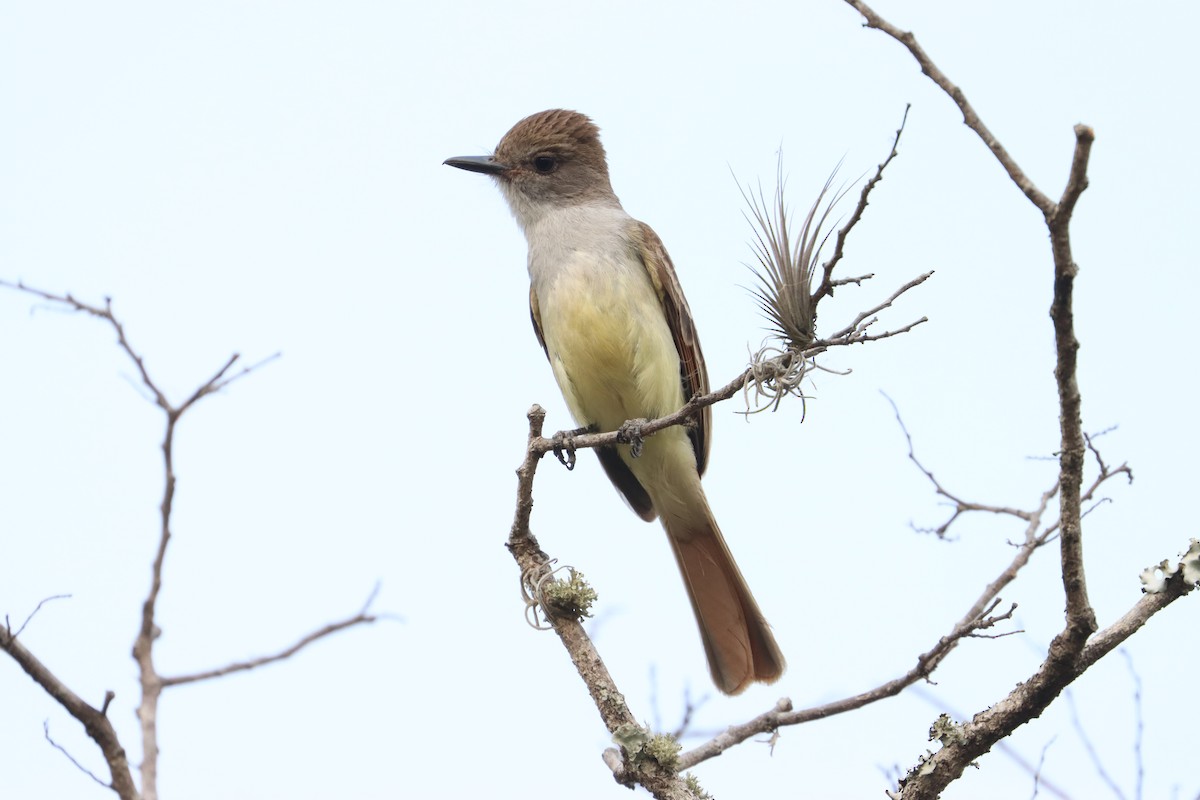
[[535, 314], [692, 372], [617, 470]]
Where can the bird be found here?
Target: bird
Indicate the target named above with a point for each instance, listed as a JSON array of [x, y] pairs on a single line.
[[611, 317]]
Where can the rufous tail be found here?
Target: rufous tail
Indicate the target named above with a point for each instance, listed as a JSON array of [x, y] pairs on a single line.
[[737, 640]]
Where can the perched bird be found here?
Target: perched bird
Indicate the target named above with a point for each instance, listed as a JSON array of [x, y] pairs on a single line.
[[610, 314]]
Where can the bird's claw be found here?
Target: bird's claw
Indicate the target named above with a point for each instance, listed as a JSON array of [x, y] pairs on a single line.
[[630, 433], [564, 446], [564, 449]]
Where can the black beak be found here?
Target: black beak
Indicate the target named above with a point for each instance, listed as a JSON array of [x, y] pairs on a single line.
[[485, 164]]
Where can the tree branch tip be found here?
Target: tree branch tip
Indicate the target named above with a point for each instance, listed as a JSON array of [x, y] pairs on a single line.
[[370, 601], [71, 758], [28, 619], [281, 655], [857, 281]]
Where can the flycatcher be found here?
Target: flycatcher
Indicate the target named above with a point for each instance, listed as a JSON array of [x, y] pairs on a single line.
[[609, 312]]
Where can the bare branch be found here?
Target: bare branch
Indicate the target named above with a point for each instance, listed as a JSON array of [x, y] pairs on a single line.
[[148, 631], [690, 708], [960, 506], [827, 284], [361, 618], [97, 725], [971, 119], [978, 617], [1032, 696], [857, 281], [851, 331], [662, 783], [29, 618], [1004, 746], [534, 562], [1037, 771], [1090, 747], [106, 314], [1149, 604], [736, 734], [71, 758], [1081, 619], [221, 379], [1077, 180], [1139, 726]]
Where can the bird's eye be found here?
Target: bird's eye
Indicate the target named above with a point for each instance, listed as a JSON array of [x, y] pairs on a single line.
[[545, 164]]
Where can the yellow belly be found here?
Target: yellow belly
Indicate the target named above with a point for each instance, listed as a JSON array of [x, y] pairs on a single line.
[[610, 346]]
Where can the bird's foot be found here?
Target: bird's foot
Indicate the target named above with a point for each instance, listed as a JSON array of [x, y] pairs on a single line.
[[630, 433], [564, 446]]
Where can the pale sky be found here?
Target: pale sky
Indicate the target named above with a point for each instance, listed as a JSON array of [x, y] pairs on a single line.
[[263, 177]]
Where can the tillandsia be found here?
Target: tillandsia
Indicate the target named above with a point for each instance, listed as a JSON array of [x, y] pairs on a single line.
[[784, 292]]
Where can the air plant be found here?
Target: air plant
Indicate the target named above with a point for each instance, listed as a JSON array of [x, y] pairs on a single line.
[[784, 293]]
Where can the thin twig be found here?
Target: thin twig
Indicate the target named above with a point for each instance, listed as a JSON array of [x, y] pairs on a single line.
[[71, 758], [151, 682], [1090, 747], [827, 284], [361, 618], [978, 617], [1139, 726], [960, 506], [1037, 772], [36, 609], [956, 94], [94, 721]]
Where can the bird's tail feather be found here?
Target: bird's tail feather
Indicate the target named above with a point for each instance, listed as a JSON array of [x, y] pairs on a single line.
[[737, 640]]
